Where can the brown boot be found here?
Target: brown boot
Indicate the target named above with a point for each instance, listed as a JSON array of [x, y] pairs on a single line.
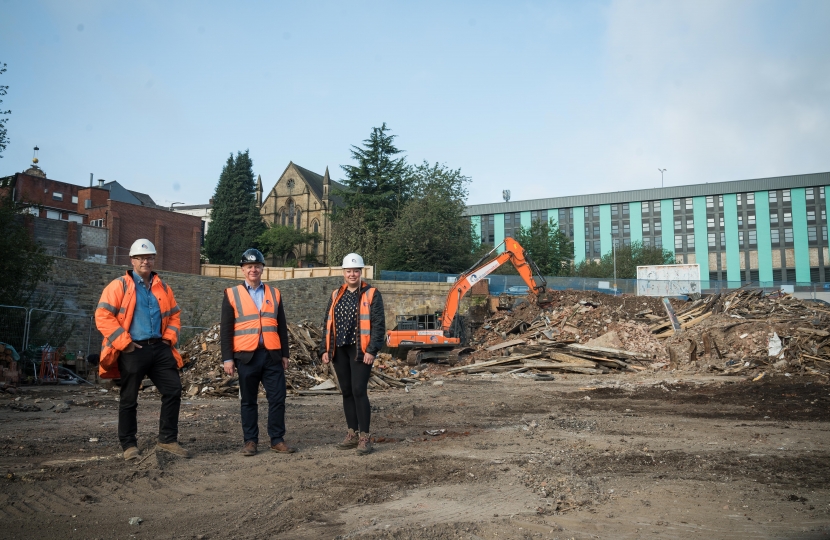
[[249, 449], [174, 448], [349, 442], [282, 448], [131, 453], [364, 444]]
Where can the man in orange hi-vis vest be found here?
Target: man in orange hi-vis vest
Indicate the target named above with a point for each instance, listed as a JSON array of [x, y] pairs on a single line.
[[354, 331], [254, 340], [139, 319]]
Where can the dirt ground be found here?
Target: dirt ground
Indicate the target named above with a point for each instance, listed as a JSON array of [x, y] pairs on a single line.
[[621, 456]]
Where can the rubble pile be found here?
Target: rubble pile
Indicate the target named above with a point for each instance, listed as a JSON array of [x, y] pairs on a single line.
[[740, 332], [203, 374]]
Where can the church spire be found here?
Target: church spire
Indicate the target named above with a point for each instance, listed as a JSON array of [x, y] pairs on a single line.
[[326, 183], [259, 190]]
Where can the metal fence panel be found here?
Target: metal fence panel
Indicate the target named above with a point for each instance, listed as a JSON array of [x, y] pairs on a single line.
[[13, 326], [59, 329]]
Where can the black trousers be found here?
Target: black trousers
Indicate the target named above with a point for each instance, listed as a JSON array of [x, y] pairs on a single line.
[[156, 362], [262, 368], [353, 377]]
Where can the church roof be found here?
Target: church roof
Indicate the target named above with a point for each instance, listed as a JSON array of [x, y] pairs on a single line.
[[315, 184]]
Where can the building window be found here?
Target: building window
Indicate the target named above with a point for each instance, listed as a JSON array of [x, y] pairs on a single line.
[[773, 218], [785, 196], [788, 236], [824, 232], [823, 214], [773, 197], [811, 234], [315, 227], [774, 236], [74, 199], [646, 241], [597, 247], [539, 215], [821, 192], [488, 229], [690, 241], [563, 215], [740, 199], [644, 208], [720, 201], [587, 249], [677, 204], [740, 220], [678, 241], [788, 217], [596, 231], [690, 224], [722, 239], [811, 215], [625, 209], [615, 229], [721, 222], [57, 196], [750, 220], [750, 199], [299, 217], [282, 217], [753, 238], [689, 204], [710, 202], [658, 241], [740, 239], [646, 227], [710, 223], [711, 239], [587, 231], [809, 193], [615, 211], [626, 228], [595, 212], [658, 225], [678, 225], [656, 204]]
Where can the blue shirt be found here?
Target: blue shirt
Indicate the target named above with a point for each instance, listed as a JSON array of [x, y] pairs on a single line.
[[146, 321], [258, 296]]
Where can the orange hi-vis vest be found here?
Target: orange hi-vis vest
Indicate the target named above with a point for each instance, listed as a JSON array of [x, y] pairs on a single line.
[[114, 315], [251, 322], [364, 318]]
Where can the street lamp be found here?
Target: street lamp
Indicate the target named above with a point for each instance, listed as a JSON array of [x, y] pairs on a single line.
[[661, 176]]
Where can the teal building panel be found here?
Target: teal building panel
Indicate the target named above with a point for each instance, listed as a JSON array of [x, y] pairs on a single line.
[[762, 227], [524, 218], [579, 234], [701, 239], [667, 222], [605, 228], [475, 221], [733, 250], [553, 215], [800, 241], [498, 231], [635, 216]]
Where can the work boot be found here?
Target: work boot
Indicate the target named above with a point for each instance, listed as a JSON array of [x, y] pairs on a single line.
[[364, 444], [131, 453], [174, 448], [282, 448], [249, 449], [349, 442]]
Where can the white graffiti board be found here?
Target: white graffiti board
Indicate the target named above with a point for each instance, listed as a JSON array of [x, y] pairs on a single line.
[[668, 279]]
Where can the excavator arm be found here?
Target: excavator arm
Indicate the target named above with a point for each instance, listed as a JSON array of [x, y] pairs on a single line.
[[514, 253]]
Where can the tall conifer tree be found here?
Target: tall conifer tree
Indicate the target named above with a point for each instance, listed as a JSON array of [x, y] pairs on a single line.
[[235, 220]]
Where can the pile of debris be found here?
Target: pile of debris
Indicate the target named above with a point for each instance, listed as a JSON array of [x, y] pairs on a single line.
[[203, 373]]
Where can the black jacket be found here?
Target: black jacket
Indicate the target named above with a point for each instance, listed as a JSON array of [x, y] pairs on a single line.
[[377, 337], [226, 334]]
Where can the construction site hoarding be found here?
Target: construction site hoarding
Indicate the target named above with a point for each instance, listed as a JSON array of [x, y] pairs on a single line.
[[668, 280]]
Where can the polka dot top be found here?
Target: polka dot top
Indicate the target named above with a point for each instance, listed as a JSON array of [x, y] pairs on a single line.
[[345, 318]]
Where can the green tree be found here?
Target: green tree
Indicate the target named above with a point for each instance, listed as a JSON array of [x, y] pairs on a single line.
[[3, 139], [549, 248], [24, 263], [235, 224], [280, 240], [376, 184], [628, 259], [431, 233], [352, 233]]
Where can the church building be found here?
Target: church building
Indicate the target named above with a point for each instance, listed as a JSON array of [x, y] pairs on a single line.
[[304, 200]]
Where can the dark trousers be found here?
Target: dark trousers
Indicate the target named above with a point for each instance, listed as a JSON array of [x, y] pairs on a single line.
[[353, 377], [156, 362], [262, 368]]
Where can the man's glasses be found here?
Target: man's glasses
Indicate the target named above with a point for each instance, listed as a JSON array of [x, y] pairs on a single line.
[[144, 259]]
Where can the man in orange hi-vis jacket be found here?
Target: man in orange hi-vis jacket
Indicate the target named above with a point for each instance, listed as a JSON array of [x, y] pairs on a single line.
[[139, 319]]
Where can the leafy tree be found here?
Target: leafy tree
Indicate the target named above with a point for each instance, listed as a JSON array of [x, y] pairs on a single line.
[[377, 185], [280, 240], [431, 233], [549, 248], [236, 224], [3, 139], [628, 259], [24, 263], [352, 233]]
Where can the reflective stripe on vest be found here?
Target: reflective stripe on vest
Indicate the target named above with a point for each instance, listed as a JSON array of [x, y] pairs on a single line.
[[364, 317], [249, 322]]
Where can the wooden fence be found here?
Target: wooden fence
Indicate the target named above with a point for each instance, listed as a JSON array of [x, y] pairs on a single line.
[[271, 273]]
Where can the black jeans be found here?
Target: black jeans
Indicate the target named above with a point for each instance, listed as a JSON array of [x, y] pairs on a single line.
[[353, 377], [155, 361], [262, 368]]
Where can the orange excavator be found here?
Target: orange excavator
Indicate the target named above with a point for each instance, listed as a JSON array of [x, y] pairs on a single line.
[[441, 336]]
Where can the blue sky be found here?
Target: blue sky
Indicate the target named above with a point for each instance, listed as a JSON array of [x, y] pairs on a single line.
[[543, 98]]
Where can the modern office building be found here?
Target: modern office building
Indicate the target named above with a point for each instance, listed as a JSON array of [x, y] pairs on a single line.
[[766, 229]]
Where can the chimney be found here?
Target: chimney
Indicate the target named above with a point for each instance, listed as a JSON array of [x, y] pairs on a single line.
[[100, 182], [90, 179]]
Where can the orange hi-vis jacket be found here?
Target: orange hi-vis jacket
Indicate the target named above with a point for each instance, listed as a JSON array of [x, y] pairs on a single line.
[[250, 322], [114, 315], [364, 316]]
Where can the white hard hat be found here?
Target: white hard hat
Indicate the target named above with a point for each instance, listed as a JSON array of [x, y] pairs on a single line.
[[142, 246], [353, 260]]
